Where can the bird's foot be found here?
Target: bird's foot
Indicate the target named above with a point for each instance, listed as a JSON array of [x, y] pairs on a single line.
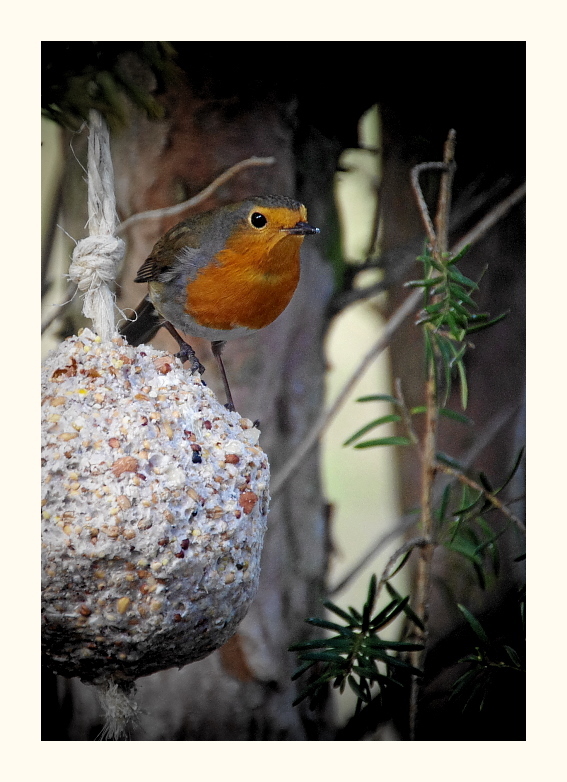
[[186, 353]]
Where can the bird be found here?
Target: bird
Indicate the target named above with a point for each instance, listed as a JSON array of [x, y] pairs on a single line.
[[222, 274]]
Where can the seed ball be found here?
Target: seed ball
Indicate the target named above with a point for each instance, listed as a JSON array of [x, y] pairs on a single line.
[[150, 559]]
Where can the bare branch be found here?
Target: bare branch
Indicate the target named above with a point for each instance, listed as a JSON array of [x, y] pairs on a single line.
[[58, 310], [424, 211], [391, 327], [406, 415], [485, 437], [200, 197], [487, 222], [405, 524], [462, 478], [429, 466], [168, 211], [445, 193], [409, 545], [323, 421]]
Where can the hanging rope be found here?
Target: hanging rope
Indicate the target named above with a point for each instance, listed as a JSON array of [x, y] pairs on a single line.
[[96, 259]]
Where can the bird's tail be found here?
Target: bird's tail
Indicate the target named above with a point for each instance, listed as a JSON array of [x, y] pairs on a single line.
[[145, 325]]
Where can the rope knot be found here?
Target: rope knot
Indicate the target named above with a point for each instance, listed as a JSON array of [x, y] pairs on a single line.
[[94, 265], [95, 261]]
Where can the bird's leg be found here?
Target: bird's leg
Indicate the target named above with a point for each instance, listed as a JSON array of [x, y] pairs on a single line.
[[217, 347], [186, 352]]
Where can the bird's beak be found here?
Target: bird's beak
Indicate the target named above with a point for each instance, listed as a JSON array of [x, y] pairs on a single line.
[[301, 229]]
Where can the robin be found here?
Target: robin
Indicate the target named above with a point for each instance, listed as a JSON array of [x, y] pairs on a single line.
[[222, 274]]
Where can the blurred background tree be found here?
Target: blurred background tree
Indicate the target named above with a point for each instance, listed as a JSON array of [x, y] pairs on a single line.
[[180, 117]]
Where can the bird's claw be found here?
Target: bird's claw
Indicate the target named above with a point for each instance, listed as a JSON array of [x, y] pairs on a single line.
[[186, 353]]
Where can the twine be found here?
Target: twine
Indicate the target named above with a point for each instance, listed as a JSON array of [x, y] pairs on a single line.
[[96, 259]]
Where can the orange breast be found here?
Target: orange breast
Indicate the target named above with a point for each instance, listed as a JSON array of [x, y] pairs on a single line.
[[250, 284]]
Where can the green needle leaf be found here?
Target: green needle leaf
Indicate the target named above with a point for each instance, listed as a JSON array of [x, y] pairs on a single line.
[[358, 690], [384, 441], [423, 283], [463, 419], [449, 461], [475, 624], [458, 276], [300, 646], [328, 657], [407, 610], [326, 625], [385, 419], [487, 324], [514, 470], [400, 566], [459, 255], [337, 610], [356, 615], [379, 398], [389, 614], [513, 655], [464, 385]]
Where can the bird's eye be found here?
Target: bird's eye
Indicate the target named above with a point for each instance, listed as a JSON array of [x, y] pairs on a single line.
[[258, 220]]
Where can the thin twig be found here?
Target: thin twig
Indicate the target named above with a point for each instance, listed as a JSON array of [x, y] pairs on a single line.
[[327, 416], [483, 226], [407, 416], [409, 545], [476, 233], [489, 496], [351, 296], [485, 437], [404, 525], [423, 575], [429, 466], [59, 309], [200, 197], [423, 210], [445, 193], [323, 421], [171, 210]]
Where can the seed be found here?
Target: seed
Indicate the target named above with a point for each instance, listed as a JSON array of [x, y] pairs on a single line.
[[247, 500], [123, 502], [68, 436], [122, 604], [125, 464]]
